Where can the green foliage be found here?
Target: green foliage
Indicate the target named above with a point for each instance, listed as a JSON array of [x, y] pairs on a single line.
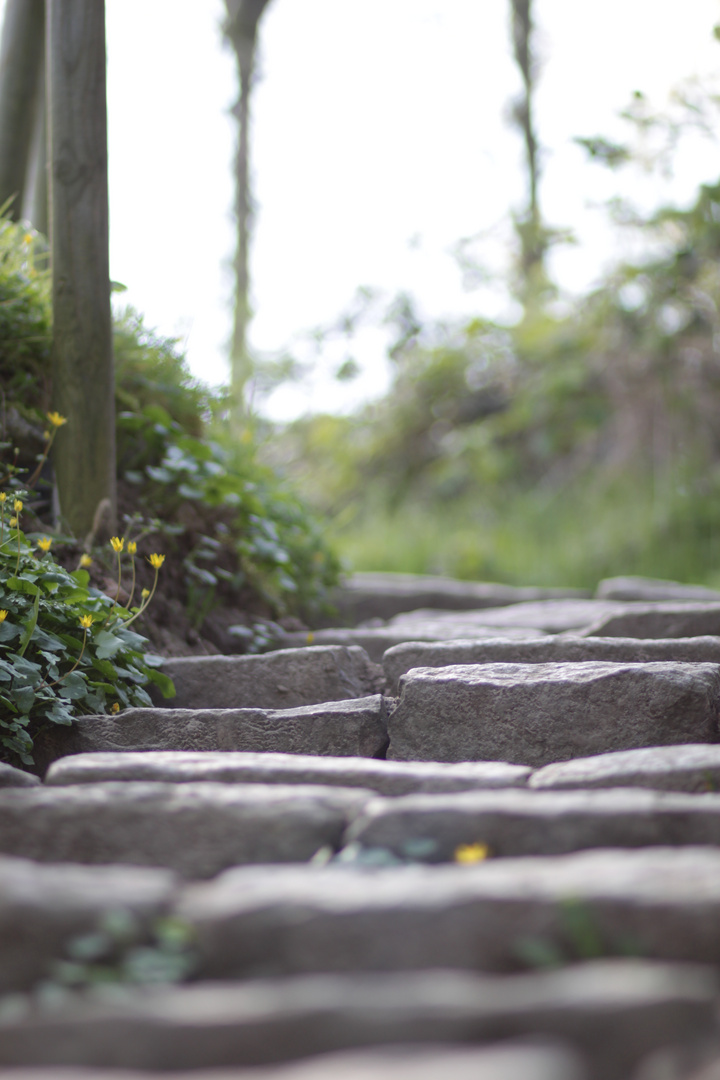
[[51, 668], [24, 318]]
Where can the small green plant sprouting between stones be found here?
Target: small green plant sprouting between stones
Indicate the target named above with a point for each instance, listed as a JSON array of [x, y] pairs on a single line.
[[66, 649]]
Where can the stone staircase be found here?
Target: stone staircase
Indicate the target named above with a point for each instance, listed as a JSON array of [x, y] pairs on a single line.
[[483, 843]]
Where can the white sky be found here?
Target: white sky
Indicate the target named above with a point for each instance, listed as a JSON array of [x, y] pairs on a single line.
[[379, 140]]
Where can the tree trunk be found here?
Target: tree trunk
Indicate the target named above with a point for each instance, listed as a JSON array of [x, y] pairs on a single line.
[[533, 240], [21, 55], [35, 202], [83, 382], [241, 30]]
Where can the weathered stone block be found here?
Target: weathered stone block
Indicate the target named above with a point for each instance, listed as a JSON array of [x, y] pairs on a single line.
[[10, 777], [651, 589], [43, 907], [377, 640], [671, 620], [694, 768], [429, 828], [352, 728], [194, 829], [551, 616], [502, 915], [612, 1014], [384, 777], [534, 714], [548, 649], [280, 680]]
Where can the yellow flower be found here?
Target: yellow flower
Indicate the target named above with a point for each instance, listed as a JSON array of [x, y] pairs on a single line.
[[46, 435], [17, 506], [156, 561], [117, 543], [3, 496], [132, 547], [310, 638], [3, 614], [13, 522], [85, 561], [86, 621], [56, 419], [115, 708], [471, 853], [145, 593], [44, 543], [27, 238]]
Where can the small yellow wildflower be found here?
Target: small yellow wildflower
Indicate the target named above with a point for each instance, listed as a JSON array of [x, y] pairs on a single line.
[[132, 547], [85, 561], [3, 496], [27, 238], [13, 522], [117, 543], [471, 853], [145, 593], [56, 419], [115, 708], [46, 435], [44, 543], [156, 561], [17, 506], [310, 638], [86, 621], [3, 614]]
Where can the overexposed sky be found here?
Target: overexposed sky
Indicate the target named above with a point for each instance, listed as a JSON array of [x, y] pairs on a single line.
[[379, 140]]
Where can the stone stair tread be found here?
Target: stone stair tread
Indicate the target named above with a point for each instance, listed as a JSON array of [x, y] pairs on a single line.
[[347, 728], [552, 615], [377, 640], [11, 777], [389, 778], [284, 679], [634, 587], [515, 822], [195, 829], [43, 906], [661, 903], [672, 619], [551, 648], [694, 767], [535, 714], [429, 1062], [612, 1012]]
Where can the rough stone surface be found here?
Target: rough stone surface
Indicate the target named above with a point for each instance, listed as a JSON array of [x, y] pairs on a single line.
[[534, 714], [651, 589], [279, 680], [693, 768], [552, 616], [671, 620], [613, 1013], [353, 728], [377, 640], [384, 777], [662, 903], [194, 829], [381, 595], [429, 828], [496, 1062], [546, 650], [10, 777], [43, 907]]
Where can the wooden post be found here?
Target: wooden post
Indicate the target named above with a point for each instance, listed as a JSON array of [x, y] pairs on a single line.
[[83, 377], [21, 54]]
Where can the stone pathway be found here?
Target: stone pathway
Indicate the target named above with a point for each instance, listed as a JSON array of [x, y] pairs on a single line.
[[480, 842]]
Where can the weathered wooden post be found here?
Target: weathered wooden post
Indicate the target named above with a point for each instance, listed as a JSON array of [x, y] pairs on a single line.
[[83, 378], [21, 57]]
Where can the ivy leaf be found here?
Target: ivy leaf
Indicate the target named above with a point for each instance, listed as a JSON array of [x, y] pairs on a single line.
[[164, 684], [29, 625], [107, 644]]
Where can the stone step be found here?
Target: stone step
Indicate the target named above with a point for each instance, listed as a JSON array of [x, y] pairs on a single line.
[[381, 595], [501, 915], [284, 679], [431, 828], [428, 1062], [194, 829], [651, 589], [551, 616], [377, 640], [10, 777], [44, 907], [351, 728], [535, 714], [388, 778], [613, 1014], [660, 620], [555, 648], [692, 768]]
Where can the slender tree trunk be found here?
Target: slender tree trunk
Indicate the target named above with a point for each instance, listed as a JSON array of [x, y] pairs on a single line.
[[241, 30], [83, 383], [35, 203], [532, 237], [21, 56]]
